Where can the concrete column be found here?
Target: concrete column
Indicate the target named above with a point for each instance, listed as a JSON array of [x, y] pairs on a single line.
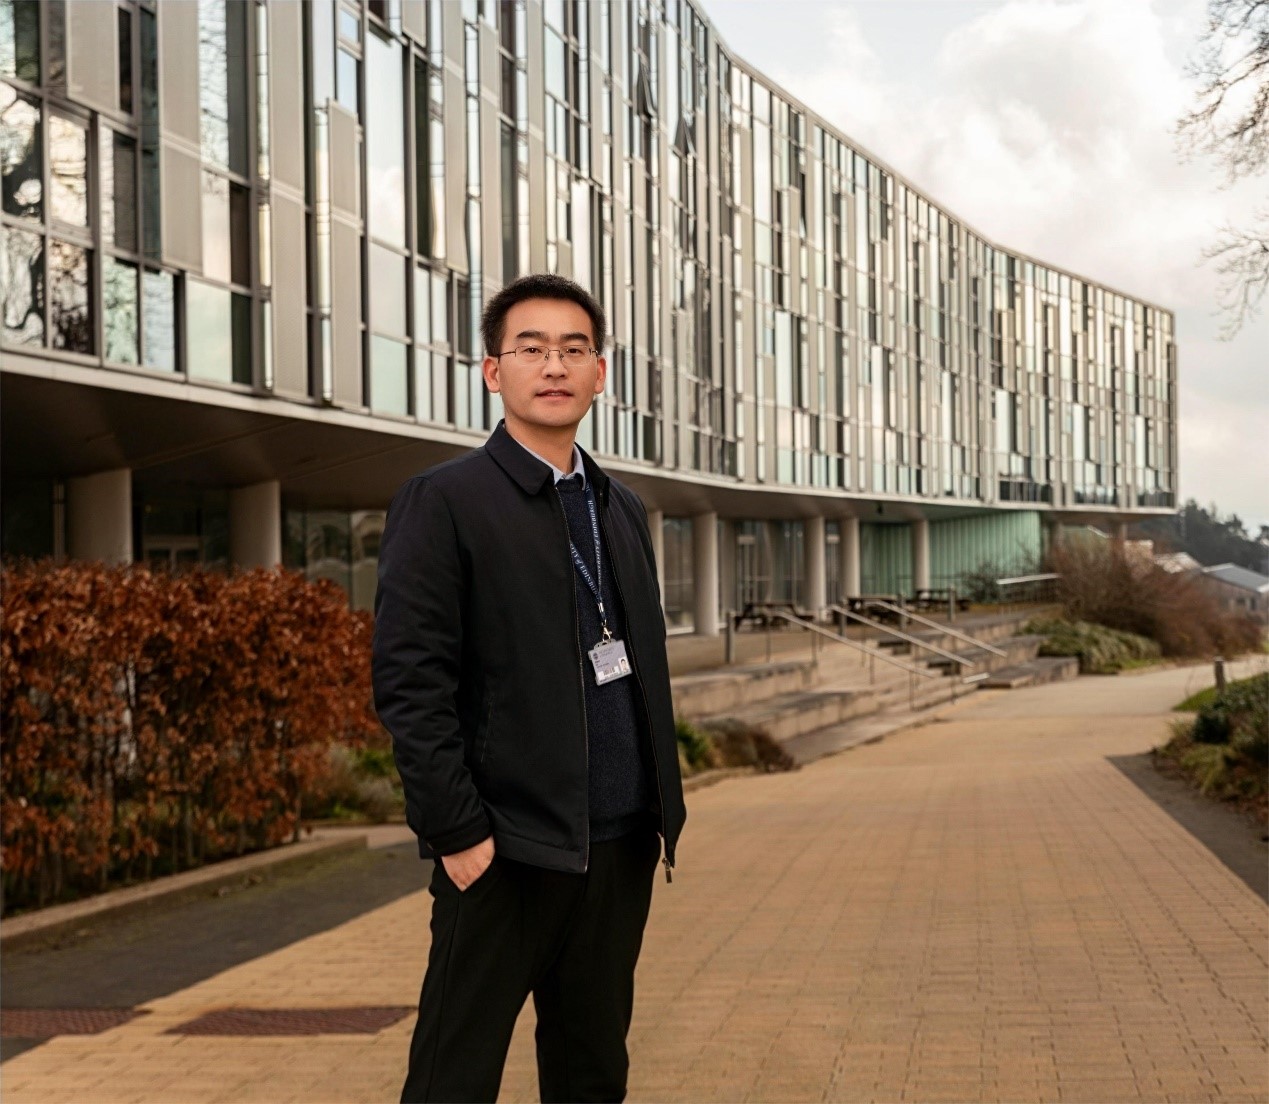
[[848, 550], [726, 565], [255, 525], [656, 530], [99, 517], [705, 572], [921, 554], [816, 572]]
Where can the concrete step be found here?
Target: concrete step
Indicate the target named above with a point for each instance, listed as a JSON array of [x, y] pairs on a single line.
[[1039, 670], [1017, 649], [708, 692], [790, 715]]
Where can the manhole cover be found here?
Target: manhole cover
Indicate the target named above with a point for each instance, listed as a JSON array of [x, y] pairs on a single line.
[[45, 1023], [294, 1021]]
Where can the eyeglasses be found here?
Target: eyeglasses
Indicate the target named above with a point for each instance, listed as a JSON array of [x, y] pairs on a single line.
[[534, 356]]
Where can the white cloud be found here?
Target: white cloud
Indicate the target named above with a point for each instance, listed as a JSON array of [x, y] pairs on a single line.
[[1048, 126]]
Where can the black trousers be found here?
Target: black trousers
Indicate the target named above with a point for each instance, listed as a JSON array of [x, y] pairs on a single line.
[[572, 940]]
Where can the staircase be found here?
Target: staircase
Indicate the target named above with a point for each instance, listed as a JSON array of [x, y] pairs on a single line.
[[839, 697]]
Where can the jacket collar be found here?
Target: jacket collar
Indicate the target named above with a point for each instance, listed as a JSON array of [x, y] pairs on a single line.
[[529, 472]]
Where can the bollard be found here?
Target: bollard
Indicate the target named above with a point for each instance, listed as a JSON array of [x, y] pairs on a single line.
[[1220, 674], [729, 656]]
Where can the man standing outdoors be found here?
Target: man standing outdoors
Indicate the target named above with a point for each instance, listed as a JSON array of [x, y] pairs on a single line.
[[520, 667]]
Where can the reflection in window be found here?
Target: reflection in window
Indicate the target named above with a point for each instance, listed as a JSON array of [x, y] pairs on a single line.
[[68, 170], [159, 345], [119, 310], [20, 40], [222, 83], [387, 290], [21, 286], [119, 190], [385, 141], [218, 333], [346, 92], [388, 388], [70, 319], [226, 230], [21, 168]]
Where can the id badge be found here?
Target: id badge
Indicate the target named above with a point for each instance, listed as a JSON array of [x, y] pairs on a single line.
[[610, 661]]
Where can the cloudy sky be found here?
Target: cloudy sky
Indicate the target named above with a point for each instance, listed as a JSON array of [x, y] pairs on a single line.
[[1047, 125]]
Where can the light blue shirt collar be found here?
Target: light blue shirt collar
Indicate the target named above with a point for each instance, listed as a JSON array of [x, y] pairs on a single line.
[[556, 472]]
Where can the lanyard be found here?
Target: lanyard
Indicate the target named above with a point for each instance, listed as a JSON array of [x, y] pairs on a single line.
[[593, 584]]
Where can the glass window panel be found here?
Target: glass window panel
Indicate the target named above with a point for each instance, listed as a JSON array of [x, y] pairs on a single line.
[[440, 309], [440, 387], [150, 132], [209, 331], [22, 286], [387, 291], [385, 141], [240, 234], [119, 308], [70, 319], [349, 26], [346, 81], [119, 190], [125, 61], [21, 158], [388, 388], [322, 33], [216, 244], [159, 300], [422, 306], [555, 80], [213, 81], [423, 385], [423, 214], [20, 40], [218, 333], [68, 170]]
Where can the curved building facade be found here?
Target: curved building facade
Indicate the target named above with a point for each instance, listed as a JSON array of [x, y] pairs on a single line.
[[246, 244]]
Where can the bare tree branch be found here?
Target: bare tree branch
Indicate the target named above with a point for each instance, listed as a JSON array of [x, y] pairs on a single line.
[[1230, 122]]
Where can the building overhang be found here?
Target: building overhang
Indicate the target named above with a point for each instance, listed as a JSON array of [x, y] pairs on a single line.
[[62, 420]]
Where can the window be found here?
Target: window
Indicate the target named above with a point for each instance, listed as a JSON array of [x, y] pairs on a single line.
[[222, 83], [120, 315], [218, 333], [20, 40], [159, 312], [385, 141], [70, 317], [389, 393], [119, 190], [21, 156], [68, 171], [22, 286], [125, 61]]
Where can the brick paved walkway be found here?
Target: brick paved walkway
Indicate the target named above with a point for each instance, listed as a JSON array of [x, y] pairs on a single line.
[[984, 908]]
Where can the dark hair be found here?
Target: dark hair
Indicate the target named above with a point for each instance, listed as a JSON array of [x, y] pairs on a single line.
[[538, 285]]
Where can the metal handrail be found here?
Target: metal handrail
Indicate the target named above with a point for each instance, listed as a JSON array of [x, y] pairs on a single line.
[[902, 635], [1027, 579], [932, 623], [874, 652]]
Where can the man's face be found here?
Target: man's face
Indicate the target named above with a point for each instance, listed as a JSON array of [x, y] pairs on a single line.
[[552, 395]]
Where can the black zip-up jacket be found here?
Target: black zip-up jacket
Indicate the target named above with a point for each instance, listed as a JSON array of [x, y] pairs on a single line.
[[477, 664]]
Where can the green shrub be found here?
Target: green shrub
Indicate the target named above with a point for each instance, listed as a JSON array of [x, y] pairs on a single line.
[[697, 747], [1238, 718], [1208, 765], [1100, 650]]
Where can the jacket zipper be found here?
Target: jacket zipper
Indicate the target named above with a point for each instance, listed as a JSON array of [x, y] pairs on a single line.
[[581, 675], [647, 711]]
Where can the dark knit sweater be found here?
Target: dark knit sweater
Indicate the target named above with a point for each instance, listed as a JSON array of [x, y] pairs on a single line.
[[617, 773]]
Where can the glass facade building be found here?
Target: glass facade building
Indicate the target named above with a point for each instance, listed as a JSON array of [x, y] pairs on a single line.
[[246, 244]]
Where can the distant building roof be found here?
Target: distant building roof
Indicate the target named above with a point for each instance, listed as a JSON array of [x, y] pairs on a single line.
[[1177, 562], [1239, 577]]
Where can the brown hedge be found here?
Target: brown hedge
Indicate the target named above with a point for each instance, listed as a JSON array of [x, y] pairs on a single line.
[[152, 722]]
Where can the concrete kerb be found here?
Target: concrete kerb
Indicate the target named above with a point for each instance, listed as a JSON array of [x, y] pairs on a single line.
[[58, 920]]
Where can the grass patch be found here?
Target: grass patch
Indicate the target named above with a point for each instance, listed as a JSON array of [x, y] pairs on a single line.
[[1224, 751], [1197, 701]]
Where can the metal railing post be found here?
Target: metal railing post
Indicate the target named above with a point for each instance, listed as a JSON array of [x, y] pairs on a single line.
[[951, 604], [729, 656], [768, 639]]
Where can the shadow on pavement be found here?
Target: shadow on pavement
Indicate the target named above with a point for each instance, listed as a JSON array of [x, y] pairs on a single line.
[[127, 962], [1232, 836]]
